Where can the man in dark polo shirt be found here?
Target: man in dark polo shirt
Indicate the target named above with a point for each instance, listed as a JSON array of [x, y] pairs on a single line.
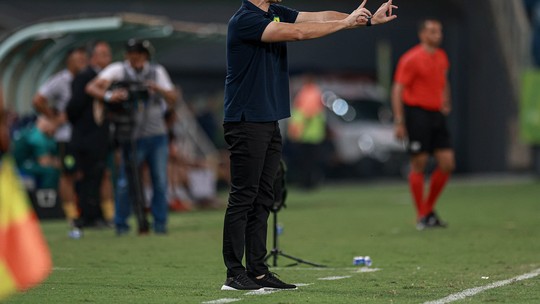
[[256, 98], [421, 101]]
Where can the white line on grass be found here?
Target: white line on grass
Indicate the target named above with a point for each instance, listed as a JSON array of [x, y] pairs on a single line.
[[302, 284], [311, 268], [261, 292], [266, 292], [473, 291], [367, 269], [222, 301], [334, 278]]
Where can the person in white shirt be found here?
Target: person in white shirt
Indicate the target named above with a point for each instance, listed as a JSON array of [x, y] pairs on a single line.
[[51, 100], [149, 131]]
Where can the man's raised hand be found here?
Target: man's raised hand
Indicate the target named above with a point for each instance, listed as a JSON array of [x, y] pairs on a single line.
[[359, 16], [384, 13]]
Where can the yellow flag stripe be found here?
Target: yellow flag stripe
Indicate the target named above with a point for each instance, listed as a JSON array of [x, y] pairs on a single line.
[[13, 199], [7, 284]]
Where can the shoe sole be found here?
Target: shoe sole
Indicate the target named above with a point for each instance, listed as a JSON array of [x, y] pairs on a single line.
[[229, 288], [276, 288]]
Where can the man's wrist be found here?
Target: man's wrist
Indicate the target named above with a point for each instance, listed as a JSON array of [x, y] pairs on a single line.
[[107, 96], [399, 121]]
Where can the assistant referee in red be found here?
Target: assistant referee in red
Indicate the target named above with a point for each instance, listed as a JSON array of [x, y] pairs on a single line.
[[421, 102]]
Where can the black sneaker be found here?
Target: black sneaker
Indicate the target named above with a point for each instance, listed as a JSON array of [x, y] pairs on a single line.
[[271, 281], [434, 221], [240, 282]]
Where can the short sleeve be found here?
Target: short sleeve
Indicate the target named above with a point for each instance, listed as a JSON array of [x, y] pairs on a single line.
[[50, 89], [286, 14], [405, 71], [113, 72], [445, 60], [250, 26], [163, 79]]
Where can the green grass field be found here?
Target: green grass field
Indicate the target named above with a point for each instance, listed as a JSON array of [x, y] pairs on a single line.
[[494, 235]]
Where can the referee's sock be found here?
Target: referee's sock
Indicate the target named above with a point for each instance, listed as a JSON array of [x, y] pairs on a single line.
[[416, 184], [438, 181]]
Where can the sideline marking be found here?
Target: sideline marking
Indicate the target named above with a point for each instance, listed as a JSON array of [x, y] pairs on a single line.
[[302, 284], [315, 268], [220, 301], [473, 291], [262, 292], [271, 291], [334, 278], [367, 269]]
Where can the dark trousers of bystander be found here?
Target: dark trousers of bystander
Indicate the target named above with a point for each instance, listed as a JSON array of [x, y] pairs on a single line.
[[92, 167], [255, 150]]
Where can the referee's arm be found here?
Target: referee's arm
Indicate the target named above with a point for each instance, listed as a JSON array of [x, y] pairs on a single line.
[[447, 99], [397, 108]]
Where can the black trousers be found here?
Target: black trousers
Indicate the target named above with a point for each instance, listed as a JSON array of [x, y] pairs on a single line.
[[92, 166], [255, 150]]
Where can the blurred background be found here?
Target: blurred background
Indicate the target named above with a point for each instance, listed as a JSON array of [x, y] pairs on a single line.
[[490, 44]]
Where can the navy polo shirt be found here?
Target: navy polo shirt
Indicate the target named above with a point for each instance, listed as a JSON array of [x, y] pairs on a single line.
[[257, 84]]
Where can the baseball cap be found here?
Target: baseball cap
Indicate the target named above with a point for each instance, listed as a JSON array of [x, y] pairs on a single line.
[[139, 46]]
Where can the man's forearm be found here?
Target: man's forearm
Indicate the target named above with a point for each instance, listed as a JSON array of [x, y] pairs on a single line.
[[320, 16], [170, 96], [333, 16], [279, 32], [41, 106], [96, 89]]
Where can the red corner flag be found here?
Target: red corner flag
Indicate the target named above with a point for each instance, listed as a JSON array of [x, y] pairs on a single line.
[[24, 256]]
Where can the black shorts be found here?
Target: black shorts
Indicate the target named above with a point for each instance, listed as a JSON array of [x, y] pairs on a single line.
[[427, 130], [67, 157]]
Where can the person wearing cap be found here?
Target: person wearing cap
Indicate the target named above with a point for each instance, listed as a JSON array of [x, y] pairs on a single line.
[[150, 133], [256, 98]]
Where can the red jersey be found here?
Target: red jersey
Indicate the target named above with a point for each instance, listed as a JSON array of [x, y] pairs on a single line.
[[423, 76]]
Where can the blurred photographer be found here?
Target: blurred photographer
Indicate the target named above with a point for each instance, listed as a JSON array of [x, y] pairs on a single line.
[[139, 91]]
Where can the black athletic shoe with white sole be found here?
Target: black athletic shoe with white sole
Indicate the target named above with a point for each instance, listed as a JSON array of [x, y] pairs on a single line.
[[434, 221], [271, 281], [240, 282]]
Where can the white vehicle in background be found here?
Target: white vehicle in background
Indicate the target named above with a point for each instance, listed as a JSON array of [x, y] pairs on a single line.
[[359, 120]]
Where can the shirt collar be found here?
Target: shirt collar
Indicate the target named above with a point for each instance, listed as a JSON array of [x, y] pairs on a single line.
[[249, 5]]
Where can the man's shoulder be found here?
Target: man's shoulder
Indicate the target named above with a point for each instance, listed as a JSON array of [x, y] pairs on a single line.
[[281, 8], [243, 15], [413, 54], [441, 52], [115, 65], [414, 51], [113, 71], [158, 68], [55, 83], [59, 77]]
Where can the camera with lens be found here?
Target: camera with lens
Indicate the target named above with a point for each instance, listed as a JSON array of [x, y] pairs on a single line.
[[122, 114], [137, 93]]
